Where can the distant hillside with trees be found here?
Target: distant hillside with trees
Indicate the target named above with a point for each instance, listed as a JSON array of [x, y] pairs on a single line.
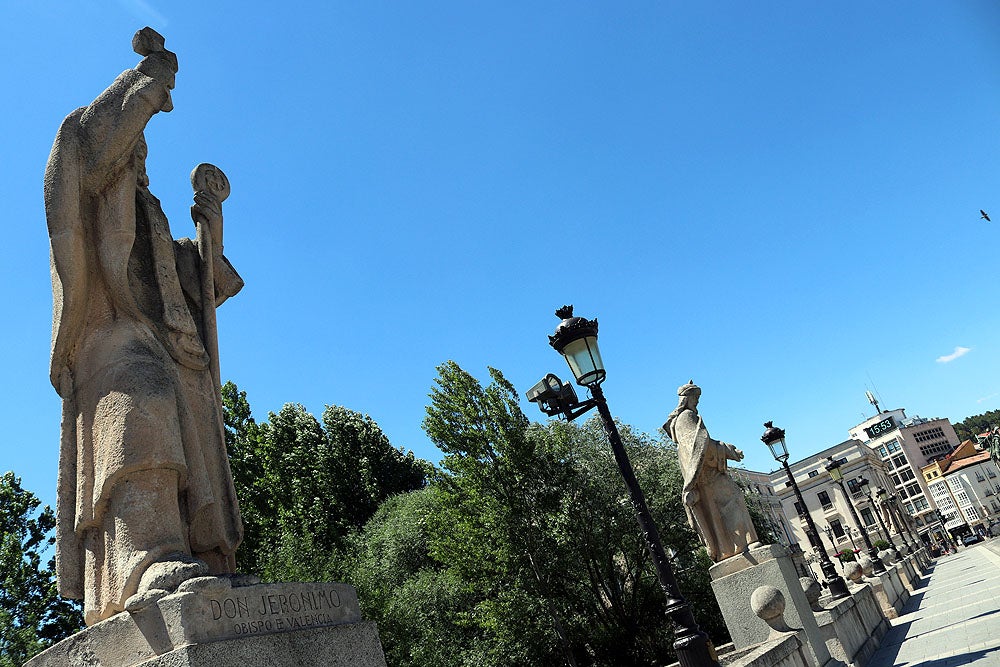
[[968, 428]]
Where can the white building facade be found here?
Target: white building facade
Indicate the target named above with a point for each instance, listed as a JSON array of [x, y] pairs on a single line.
[[906, 445]]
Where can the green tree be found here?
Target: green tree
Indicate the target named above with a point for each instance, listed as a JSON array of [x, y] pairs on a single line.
[[32, 615], [421, 606], [304, 485], [968, 428], [536, 521]]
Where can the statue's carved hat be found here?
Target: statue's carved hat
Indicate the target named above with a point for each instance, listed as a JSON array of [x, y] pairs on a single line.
[[689, 389]]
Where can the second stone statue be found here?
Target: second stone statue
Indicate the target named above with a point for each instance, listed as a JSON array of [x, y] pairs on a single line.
[[715, 506]]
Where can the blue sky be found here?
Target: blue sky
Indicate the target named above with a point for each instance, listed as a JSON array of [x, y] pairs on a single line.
[[780, 201]]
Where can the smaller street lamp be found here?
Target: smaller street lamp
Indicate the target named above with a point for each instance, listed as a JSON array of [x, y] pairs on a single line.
[[837, 475], [575, 338], [866, 489], [897, 505], [774, 438], [851, 532], [885, 501]]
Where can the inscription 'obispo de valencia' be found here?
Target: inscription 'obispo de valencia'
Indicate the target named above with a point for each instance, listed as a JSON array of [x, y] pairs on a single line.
[[264, 609]]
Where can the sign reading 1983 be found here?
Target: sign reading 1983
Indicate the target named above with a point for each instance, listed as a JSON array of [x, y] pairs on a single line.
[[884, 426]]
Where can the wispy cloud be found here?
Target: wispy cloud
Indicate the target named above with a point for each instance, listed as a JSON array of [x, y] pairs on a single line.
[[986, 398], [143, 11], [959, 352]]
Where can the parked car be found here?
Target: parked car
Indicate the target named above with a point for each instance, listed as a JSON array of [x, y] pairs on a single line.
[[971, 538]]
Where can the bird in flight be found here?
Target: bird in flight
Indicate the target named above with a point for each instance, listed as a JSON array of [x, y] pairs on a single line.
[[984, 216]]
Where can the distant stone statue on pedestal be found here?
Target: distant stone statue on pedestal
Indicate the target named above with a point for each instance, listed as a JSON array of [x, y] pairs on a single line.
[[715, 506], [145, 493]]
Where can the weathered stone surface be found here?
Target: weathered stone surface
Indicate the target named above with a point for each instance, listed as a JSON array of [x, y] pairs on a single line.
[[890, 592], [734, 582], [354, 645], [769, 605], [853, 627], [852, 570], [813, 591], [145, 493], [207, 615], [785, 650], [714, 503]]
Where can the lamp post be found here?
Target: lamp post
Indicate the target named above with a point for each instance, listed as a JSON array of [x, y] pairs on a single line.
[[866, 489], [886, 501], [774, 438], [851, 532], [897, 504], [575, 338], [837, 475]]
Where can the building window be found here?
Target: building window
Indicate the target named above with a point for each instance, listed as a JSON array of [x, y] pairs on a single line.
[[990, 473], [813, 473], [920, 504], [867, 516], [898, 461], [881, 451], [892, 446], [799, 509], [824, 499], [913, 490], [838, 529], [905, 475]]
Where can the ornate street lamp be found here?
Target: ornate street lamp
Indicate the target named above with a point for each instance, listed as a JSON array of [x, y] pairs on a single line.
[[897, 505], [851, 532], [837, 475], [774, 438], [885, 501], [865, 486], [576, 339]]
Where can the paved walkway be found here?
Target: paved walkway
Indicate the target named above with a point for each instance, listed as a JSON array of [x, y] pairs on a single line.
[[954, 618]]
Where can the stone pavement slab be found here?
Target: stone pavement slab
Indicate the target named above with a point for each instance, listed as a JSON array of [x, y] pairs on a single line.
[[953, 618]]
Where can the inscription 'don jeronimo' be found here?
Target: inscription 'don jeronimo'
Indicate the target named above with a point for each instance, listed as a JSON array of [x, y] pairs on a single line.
[[276, 612]]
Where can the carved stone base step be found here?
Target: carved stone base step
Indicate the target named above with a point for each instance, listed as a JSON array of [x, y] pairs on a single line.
[[213, 623]]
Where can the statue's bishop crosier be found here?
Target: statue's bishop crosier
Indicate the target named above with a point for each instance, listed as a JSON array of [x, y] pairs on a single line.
[[145, 495]]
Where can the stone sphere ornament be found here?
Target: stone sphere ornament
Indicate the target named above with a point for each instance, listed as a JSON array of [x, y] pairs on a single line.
[[813, 590], [853, 571], [768, 603]]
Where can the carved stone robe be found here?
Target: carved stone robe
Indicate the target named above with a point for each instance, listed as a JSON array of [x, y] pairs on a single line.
[[714, 503], [129, 362]]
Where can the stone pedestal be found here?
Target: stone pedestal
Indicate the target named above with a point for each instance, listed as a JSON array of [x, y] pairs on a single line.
[[853, 626], [907, 574], [736, 578], [890, 592], [210, 623]]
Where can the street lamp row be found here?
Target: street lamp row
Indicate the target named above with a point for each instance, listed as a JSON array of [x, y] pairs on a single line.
[[774, 438], [575, 338]]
